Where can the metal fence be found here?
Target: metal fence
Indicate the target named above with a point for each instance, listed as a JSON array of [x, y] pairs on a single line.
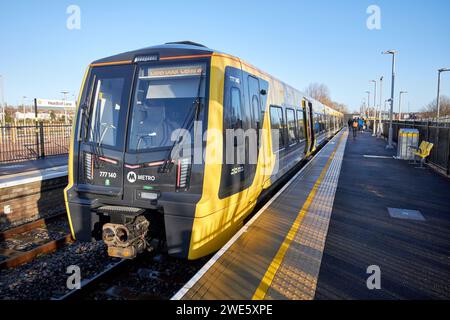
[[437, 133], [30, 142]]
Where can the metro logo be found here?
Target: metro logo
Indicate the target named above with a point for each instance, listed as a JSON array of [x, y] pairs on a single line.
[[132, 177]]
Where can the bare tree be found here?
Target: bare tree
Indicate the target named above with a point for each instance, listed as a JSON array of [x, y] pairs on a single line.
[[340, 107], [321, 93], [430, 110]]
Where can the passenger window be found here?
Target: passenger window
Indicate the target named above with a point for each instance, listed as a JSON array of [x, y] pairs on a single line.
[[290, 119], [300, 125], [277, 123]]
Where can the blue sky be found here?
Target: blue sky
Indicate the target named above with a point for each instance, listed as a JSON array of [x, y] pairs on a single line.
[[297, 41]]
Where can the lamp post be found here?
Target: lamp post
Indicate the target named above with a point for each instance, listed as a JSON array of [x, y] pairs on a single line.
[[24, 111], [385, 107], [2, 98], [374, 106], [368, 104], [400, 104], [381, 103], [361, 108], [438, 100], [393, 53], [383, 111], [64, 92]]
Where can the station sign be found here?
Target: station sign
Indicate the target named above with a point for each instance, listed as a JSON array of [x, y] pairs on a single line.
[[55, 104]]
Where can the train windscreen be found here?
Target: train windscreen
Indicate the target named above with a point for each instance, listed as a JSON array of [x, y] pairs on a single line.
[[109, 105], [166, 98]]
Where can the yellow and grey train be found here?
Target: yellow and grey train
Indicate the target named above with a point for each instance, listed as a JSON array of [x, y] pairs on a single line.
[[127, 189]]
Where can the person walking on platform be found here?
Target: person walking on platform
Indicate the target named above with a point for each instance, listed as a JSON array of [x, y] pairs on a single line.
[[355, 126], [361, 124], [350, 123]]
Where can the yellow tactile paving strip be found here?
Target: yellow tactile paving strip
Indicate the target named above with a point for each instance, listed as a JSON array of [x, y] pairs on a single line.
[[240, 269], [297, 276]]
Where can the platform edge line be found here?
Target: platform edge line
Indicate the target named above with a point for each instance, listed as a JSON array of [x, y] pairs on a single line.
[[268, 277], [182, 292]]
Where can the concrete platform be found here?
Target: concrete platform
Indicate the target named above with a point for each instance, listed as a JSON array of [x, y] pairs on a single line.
[[33, 165], [413, 255], [342, 214], [31, 171], [277, 254]]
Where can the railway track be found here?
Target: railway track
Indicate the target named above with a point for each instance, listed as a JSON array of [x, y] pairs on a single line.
[[150, 276], [118, 280], [24, 243], [87, 285]]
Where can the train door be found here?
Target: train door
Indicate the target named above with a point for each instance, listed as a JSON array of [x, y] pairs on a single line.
[[307, 107], [256, 119], [234, 120], [243, 111]]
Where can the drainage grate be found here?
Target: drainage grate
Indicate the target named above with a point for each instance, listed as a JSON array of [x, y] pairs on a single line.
[[406, 214]]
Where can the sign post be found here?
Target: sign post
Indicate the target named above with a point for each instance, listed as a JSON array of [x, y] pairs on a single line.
[[39, 144]]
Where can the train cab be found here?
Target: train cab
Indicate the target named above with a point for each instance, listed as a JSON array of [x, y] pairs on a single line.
[[173, 146]]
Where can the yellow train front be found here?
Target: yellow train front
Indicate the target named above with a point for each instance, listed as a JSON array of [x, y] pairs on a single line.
[[173, 146]]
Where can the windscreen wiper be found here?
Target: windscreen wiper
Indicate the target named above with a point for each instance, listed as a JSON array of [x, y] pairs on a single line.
[[107, 126], [95, 148]]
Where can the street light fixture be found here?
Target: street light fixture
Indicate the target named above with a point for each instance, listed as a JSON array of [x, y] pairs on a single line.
[[400, 104], [393, 53], [438, 100]]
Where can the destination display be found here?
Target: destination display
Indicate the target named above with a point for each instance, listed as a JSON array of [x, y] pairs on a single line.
[[168, 72]]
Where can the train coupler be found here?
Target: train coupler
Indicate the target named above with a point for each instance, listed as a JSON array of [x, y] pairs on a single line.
[[126, 241]]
